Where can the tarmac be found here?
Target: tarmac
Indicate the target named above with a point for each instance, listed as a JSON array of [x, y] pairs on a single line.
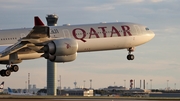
[[77, 98]]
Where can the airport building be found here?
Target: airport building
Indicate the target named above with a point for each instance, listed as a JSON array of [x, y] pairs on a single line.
[[137, 92], [78, 92], [115, 88]]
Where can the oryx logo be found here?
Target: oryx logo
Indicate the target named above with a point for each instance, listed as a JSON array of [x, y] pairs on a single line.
[[68, 45]]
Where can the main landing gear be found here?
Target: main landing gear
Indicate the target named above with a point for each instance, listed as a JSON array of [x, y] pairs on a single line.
[[130, 56], [10, 68]]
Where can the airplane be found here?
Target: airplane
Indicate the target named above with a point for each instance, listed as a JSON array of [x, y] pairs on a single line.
[[62, 43], [2, 87], [10, 92]]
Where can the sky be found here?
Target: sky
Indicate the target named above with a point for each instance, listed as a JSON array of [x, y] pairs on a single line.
[[157, 60]]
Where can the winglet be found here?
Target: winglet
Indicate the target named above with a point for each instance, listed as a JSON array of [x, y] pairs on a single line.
[[37, 21]]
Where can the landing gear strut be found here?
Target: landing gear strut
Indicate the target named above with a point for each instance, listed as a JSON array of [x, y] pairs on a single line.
[[10, 68], [130, 56]]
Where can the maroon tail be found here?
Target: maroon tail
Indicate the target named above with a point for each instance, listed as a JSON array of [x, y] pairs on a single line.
[[37, 21]]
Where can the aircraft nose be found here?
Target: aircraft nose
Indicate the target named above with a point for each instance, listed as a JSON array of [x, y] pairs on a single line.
[[152, 34]]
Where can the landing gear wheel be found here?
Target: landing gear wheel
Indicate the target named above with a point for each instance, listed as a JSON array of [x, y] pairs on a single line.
[[10, 68], [7, 72], [130, 57], [3, 72], [15, 68]]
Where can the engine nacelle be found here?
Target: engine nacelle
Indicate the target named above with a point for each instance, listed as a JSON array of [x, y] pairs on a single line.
[[67, 58], [61, 47]]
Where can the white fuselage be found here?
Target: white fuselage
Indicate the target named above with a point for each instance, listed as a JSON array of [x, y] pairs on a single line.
[[90, 37]]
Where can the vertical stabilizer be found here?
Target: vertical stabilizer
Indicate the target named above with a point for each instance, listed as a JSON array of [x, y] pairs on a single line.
[[37, 21], [9, 90], [2, 85]]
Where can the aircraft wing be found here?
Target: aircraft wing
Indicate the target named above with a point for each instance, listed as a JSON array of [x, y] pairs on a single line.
[[38, 32], [37, 36]]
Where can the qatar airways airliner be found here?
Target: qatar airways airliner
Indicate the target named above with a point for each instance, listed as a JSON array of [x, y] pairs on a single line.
[[62, 43]]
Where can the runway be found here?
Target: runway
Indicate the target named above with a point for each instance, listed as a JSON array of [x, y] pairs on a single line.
[[77, 100], [52, 99]]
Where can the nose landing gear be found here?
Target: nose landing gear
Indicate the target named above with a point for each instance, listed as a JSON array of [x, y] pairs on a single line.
[[130, 56]]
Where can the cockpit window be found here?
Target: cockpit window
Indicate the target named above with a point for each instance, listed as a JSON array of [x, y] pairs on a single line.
[[147, 29]]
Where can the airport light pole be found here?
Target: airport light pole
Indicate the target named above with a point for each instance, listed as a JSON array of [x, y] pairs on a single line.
[[59, 84], [28, 82], [90, 83], [125, 83], [151, 83], [84, 83], [174, 86], [167, 84], [26, 86]]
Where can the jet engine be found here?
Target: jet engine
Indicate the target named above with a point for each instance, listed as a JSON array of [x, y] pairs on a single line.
[[67, 58], [61, 50], [61, 47]]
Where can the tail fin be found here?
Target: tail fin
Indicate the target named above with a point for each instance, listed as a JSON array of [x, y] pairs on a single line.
[[37, 21], [2, 86], [9, 90]]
